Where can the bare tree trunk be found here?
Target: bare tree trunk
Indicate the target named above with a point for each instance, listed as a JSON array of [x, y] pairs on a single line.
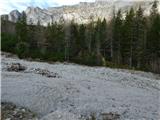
[[89, 41], [67, 41], [111, 48], [131, 55]]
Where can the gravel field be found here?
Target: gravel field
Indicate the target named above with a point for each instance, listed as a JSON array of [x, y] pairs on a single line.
[[73, 92]]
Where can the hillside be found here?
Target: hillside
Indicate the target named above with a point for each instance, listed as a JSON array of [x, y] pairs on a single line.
[[74, 92]]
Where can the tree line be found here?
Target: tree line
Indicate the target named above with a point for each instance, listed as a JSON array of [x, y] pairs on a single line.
[[131, 42]]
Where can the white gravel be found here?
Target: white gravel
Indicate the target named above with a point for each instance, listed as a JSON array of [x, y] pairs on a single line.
[[81, 91]]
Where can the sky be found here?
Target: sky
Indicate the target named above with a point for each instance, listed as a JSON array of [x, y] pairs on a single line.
[[8, 5]]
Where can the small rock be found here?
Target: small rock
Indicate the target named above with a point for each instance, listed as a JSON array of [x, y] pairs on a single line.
[[8, 119], [110, 116], [59, 116], [20, 116], [113, 99], [14, 112], [46, 73], [16, 67], [113, 106], [23, 110]]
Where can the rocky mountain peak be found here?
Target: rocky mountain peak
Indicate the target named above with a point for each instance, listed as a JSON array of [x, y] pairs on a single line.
[[82, 12], [14, 15]]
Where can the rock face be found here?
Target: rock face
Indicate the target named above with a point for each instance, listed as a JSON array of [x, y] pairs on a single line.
[[83, 12], [14, 15]]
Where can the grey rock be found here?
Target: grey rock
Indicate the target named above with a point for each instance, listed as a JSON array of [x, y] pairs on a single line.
[[17, 67]]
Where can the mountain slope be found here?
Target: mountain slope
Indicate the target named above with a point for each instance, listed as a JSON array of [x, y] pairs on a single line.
[[81, 13]]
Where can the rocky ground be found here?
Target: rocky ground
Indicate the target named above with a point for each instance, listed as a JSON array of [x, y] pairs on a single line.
[[73, 92], [9, 111]]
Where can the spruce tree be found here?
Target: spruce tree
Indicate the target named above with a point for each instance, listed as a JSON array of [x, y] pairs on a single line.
[[81, 42], [49, 38], [98, 41], [89, 36], [117, 38], [103, 37], [73, 38], [153, 38], [140, 39], [32, 39], [129, 38], [22, 47], [21, 28], [98, 36]]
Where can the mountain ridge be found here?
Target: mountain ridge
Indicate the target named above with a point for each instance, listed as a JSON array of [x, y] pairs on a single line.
[[83, 12]]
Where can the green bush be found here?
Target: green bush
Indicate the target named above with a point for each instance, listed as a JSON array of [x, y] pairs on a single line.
[[114, 65], [51, 56], [22, 49], [89, 59], [35, 53]]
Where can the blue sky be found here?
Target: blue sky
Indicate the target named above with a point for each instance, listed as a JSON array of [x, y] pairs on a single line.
[[8, 5]]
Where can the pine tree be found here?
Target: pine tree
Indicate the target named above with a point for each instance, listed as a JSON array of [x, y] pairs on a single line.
[[110, 36], [60, 38], [66, 41], [73, 39], [32, 39], [81, 41], [153, 38], [39, 33], [103, 37], [98, 42], [98, 37], [40, 38], [22, 47], [89, 36], [117, 38], [140, 39], [21, 28], [55, 39], [49, 37], [129, 38]]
